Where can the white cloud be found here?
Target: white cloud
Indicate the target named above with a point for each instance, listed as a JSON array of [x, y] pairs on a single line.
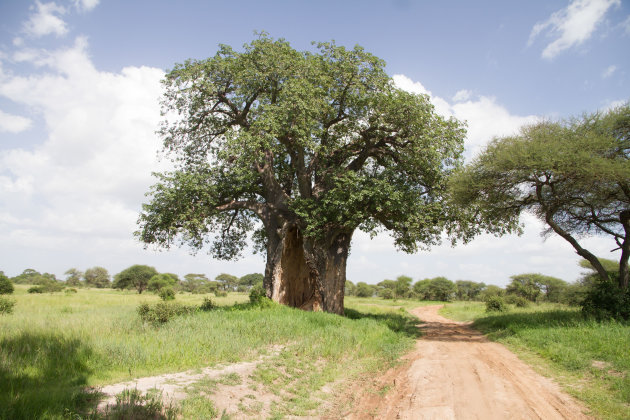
[[85, 5], [85, 181], [405, 83], [46, 20], [462, 95], [572, 25], [485, 117], [609, 71], [13, 123]]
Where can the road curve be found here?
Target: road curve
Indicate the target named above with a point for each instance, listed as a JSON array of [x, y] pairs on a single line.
[[455, 372]]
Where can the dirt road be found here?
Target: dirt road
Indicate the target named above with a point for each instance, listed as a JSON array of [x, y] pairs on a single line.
[[454, 372]]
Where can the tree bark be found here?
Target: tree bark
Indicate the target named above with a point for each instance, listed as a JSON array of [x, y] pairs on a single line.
[[624, 276], [305, 273]]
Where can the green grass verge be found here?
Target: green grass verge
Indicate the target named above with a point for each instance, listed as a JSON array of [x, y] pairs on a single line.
[[590, 359], [55, 345]]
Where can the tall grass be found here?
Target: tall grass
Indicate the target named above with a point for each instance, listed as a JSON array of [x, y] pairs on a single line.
[[54, 346], [590, 359]]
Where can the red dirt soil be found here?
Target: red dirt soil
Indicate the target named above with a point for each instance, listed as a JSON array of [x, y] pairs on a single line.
[[455, 372]]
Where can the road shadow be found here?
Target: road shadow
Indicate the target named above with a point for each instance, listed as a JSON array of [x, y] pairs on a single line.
[[45, 376], [398, 322]]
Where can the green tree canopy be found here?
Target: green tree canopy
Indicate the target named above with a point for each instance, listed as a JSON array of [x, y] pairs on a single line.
[[6, 286], [196, 283], [97, 277], [251, 279], [135, 277], [365, 290], [160, 281], [227, 281], [574, 175], [468, 290], [300, 149], [525, 285], [73, 277], [403, 283]]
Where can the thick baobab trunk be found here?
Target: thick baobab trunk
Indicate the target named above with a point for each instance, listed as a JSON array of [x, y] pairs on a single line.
[[306, 274], [330, 257]]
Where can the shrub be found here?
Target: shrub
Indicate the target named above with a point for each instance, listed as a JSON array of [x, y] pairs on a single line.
[[220, 293], [167, 293], [607, 301], [495, 304], [257, 293], [6, 305], [163, 312], [70, 290], [6, 286], [519, 301], [207, 304], [386, 293], [46, 287]]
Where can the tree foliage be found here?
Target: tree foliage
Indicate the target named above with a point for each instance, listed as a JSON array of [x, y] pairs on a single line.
[[73, 277], [574, 175], [160, 281], [525, 285], [135, 277], [468, 290], [6, 286], [97, 277], [250, 280], [227, 282], [438, 288], [31, 276]]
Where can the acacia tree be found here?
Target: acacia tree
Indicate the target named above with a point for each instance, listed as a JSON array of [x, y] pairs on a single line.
[[300, 148], [97, 277], [574, 175], [135, 277]]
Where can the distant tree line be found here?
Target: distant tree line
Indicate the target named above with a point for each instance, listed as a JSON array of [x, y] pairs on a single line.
[[523, 288], [136, 277]]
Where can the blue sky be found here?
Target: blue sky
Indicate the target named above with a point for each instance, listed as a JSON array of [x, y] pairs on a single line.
[[79, 91]]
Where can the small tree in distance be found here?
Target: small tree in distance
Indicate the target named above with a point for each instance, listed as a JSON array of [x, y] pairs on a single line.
[[135, 277], [96, 277], [6, 286], [228, 282], [73, 277]]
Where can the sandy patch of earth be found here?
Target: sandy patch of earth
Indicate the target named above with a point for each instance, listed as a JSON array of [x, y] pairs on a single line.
[[228, 399], [455, 372]]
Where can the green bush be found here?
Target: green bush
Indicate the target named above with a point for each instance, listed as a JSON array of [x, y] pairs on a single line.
[[6, 286], [167, 293], [607, 301], [519, 301], [163, 312], [386, 293], [207, 304], [220, 293], [495, 304], [70, 290], [257, 293], [6, 305], [46, 287]]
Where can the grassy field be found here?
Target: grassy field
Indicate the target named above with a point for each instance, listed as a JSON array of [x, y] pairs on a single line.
[[54, 346], [590, 359]]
